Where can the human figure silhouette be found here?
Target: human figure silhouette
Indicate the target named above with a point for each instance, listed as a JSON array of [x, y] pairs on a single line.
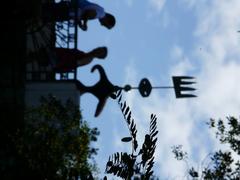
[[65, 60], [85, 11]]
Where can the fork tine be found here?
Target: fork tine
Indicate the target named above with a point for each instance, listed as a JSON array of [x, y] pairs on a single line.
[[185, 77], [187, 89], [187, 96], [187, 82], [178, 81]]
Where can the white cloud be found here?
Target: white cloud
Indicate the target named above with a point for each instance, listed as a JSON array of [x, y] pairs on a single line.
[[189, 3], [217, 33], [218, 74], [129, 3], [177, 52], [181, 60], [166, 19], [157, 4]]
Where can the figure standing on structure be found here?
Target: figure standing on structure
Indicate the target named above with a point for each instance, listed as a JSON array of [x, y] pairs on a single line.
[[82, 11]]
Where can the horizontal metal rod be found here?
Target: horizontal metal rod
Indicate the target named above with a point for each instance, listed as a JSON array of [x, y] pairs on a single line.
[[163, 87], [157, 87]]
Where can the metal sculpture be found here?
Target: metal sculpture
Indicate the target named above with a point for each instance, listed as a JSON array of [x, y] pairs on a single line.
[[104, 89], [179, 85]]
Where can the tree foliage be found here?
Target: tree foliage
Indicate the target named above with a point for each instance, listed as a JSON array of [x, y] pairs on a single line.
[[55, 144], [222, 165], [139, 163]]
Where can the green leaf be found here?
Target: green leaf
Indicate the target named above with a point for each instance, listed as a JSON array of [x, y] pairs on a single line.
[[126, 139]]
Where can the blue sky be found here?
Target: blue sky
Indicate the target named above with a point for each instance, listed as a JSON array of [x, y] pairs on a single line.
[[158, 39]]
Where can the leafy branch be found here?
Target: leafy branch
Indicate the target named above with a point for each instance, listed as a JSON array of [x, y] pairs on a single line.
[[127, 114], [222, 164], [126, 165]]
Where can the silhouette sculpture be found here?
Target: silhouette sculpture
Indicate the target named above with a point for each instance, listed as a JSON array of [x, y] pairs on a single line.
[[65, 60], [69, 59], [81, 11], [104, 89]]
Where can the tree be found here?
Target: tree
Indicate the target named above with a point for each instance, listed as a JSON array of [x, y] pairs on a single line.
[[222, 164], [139, 163], [55, 143]]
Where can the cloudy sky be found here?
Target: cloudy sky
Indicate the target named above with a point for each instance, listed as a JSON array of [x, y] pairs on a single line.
[[158, 39]]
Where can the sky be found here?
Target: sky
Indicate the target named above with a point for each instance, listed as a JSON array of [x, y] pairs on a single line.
[[158, 39]]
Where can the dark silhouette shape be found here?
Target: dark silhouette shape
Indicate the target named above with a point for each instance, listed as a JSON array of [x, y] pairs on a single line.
[[82, 11], [69, 59], [180, 83], [179, 86], [145, 87], [127, 166], [102, 90], [52, 131], [65, 60]]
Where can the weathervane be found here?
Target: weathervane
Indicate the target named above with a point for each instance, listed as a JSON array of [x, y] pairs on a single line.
[[104, 89], [179, 86]]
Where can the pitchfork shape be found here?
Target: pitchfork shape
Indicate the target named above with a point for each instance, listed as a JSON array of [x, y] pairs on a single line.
[[179, 85]]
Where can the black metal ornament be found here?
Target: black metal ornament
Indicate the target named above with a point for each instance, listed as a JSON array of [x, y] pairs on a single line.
[[179, 85], [145, 87], [104, 89]]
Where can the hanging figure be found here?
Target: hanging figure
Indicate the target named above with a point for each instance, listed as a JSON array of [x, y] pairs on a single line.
[[65, 60], [85, 11]]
